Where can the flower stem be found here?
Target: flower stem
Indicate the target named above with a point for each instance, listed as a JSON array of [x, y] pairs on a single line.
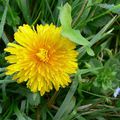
[[52, 100], [38, 112]]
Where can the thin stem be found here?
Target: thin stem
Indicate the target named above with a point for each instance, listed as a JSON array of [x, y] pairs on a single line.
[[80, 12], [101, 96], [5, 39], [51, 101], [54, 107], [38, 112], [36, 19], [116, 44]]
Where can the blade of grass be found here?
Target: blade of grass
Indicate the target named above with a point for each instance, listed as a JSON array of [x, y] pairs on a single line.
[[18, 113], [48, 6], [80, 12], [98, 36], [3, 18], [35, 21], [84, 71], [9, 113], [67, 99], [71, 106], [24, 7], [6, 81], [2, 74], [2, 69], [5, 39]]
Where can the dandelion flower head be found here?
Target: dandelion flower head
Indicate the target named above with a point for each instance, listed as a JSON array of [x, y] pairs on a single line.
[[42, 58]]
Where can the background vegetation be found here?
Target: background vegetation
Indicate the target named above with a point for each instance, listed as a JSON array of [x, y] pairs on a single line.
[[90, 96]]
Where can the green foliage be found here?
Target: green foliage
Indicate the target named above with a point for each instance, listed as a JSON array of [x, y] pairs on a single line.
[[3, 19], [68, 32], [2, 60], [94, 26], [33, 98], [24, 7], [105, 78]]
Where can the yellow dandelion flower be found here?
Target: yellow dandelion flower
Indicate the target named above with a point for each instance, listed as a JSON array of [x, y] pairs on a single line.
[[42, 57]]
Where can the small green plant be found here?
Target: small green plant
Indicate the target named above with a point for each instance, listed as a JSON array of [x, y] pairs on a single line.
[[93, 25]]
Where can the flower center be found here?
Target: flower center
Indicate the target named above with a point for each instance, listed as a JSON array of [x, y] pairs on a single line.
[[43, 54]]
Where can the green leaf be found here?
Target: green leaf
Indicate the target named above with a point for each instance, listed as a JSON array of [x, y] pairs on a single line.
[[27, 117], [3, 18], [67, 100], [101, 34], [98, 1], [18, 113], [100, 118], [66, 115], [2, 69], [67, 31], [33, 98], [74, 36], [94, 63], [111, 7], [5, 39], [7, 80], [80, 118], [84, 71], [90, 51], [65, 16]]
